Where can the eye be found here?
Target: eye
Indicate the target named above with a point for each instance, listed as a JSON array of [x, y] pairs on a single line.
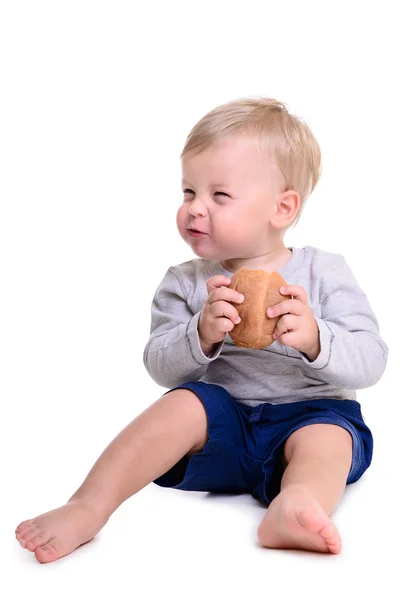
[[189, 191]]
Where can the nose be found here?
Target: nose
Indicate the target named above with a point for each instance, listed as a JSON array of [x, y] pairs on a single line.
[[198, 208]]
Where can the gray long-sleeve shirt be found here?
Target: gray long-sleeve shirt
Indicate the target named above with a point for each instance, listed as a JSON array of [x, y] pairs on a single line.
[[352, 356]]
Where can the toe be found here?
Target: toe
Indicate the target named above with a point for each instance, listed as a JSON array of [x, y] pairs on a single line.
[[24, 526], [315, 522], [335, 547], [48, 552], [312, 521], [332, 538], [27, 535], [328, 531], [39, 540]]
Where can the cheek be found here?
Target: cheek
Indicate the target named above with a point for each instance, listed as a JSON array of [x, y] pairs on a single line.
[[181, 218], [235, 223]]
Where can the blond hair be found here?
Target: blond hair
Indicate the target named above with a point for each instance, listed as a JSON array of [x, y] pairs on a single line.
[[294, 147]]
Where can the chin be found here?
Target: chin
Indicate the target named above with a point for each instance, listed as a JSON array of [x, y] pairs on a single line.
[[208, 255]]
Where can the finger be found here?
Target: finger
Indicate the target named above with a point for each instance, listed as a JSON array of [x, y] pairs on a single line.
[[296, 291], [224, 309], [216, 282], [226, 294], [289, 339], [225, 325], [286, 324], [294, 307]]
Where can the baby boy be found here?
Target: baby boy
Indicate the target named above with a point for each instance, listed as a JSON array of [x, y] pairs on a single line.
[[282, 422]]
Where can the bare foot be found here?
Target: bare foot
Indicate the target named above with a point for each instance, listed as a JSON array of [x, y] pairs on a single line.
[[59, 532], [295, 520]]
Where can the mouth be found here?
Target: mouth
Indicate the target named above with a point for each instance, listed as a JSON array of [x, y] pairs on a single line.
[[195, 233]]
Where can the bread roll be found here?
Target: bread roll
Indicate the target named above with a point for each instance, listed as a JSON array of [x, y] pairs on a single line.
[[261, 290]]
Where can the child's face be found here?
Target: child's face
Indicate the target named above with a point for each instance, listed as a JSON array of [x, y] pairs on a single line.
[[230, 193]]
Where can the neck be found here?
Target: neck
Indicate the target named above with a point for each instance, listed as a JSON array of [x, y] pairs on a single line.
[[268, 261]]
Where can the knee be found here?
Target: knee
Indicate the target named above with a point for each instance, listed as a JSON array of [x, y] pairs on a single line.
[[319, 439], [192, 414]]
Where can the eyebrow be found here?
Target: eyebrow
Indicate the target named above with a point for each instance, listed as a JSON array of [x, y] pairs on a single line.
[[184, 181]]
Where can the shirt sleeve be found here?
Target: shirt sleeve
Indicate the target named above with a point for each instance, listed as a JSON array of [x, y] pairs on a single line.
[[352, 355], [173, 353]]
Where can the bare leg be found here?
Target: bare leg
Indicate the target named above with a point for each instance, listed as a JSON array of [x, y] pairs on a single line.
[[319, 460], [157, 439]]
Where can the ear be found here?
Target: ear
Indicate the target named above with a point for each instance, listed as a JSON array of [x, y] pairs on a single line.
[[286, 208]]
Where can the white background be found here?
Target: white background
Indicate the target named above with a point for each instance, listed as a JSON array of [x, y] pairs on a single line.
[[97, 99]]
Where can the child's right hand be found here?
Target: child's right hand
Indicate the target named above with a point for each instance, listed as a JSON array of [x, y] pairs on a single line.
[[218, 316]]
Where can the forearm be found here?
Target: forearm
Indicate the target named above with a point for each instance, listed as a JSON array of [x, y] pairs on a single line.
[[178, 355], [207, 349], [355, 360], [315, 352]]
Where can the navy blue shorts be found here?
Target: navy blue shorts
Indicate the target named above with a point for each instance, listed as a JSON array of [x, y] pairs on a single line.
[[244, 451]]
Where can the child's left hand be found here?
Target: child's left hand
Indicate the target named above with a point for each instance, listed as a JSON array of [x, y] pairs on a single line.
[[297, 327]]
